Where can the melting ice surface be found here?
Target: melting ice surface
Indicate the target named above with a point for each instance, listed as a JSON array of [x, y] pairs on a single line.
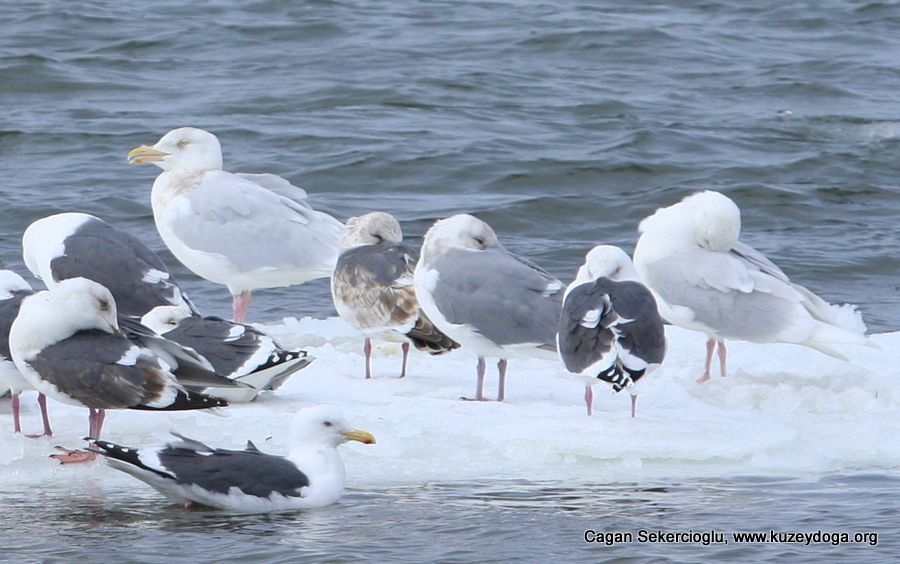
[[783, 411]]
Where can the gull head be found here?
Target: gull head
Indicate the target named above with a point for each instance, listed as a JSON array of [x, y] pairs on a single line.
[[371, 229], [183, 148], [461, 231], [10, 283], [163, 319], [324, 426], [50, 316], [709, 220], [607, 261], [716, 220]]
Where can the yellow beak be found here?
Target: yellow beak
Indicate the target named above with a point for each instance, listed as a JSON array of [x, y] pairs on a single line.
[[145, 154], [362, 436]]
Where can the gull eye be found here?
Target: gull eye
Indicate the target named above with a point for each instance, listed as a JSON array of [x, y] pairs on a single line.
[[327, 423], [183, 143], [104, 305]]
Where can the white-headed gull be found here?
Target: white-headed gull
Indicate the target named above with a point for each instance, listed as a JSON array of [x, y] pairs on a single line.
[[189, 472], [706, 280], [245, 231], [610, 329], [485, 298]]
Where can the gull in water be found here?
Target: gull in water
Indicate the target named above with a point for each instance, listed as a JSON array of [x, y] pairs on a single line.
[[486, 298], [705, 279], [245, 231], [373, 289], [610, 329], [67, 344], [189, 472]]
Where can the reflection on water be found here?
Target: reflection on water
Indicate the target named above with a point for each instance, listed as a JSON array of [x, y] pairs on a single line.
[[455, 522]]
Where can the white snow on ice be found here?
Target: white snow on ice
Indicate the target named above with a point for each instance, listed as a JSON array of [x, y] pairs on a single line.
[[784, 410]]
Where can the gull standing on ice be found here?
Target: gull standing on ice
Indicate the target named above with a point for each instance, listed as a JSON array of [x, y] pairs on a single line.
[[67, 344], [14, 289], [373, 288], [245, 231], [610, 329], [486, 298], [705, 279], [71, 245], [189, 472]]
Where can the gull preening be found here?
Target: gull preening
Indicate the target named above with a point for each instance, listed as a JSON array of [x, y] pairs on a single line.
[[374, 291], [706, 280], [188, 471], [484, 297], [610, 329], [245, 231], [67, 344]]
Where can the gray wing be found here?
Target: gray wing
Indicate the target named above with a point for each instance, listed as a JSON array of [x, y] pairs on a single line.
[[722, 293], [256, 228], [585, 335], [106, 371], [137, 278], [751, 256], [228, 346], [502, 298], [189, 461], [279, 185], [250, 471], [85, 367], [189, 366], [640, 331], [9, 310]]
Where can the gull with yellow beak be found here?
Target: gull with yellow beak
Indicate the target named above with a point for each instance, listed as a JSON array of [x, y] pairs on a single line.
[[248, 481], [245, 231]]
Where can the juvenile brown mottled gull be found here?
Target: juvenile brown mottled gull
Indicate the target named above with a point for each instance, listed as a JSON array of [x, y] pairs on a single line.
[[373, 289]]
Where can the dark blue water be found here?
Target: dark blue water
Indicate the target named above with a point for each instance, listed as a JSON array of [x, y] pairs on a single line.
[[561, 124]]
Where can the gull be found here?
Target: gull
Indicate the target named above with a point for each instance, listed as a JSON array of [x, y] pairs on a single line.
[[610, 329], [245, 231], [373, 290], [705, 279], [67, 344], [188, 472], [486, 298]]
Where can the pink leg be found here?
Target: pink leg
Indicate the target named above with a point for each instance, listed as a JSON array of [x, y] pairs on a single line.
[[367, 348], [723, 355], [589, 399], [17, 426], [240, 304], [479, 388], [42, 402], [405, 347], [501, 372], [633, 405], [95, 420], [710, 349]]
